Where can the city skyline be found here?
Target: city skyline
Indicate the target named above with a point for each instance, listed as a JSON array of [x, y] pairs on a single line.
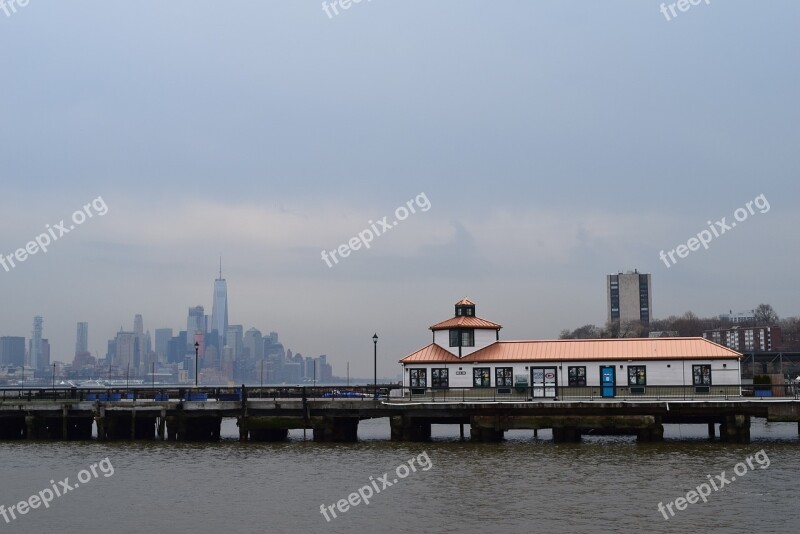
[[548, 162]]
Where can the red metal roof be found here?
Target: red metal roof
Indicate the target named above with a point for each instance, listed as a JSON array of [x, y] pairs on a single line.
[[466, 321], [690, 348], [465, 302], [433, 353]]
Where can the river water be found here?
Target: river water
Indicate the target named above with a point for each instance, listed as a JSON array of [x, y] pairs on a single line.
[[604, 484]]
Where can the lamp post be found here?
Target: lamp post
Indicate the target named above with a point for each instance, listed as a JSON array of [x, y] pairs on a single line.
[[315, 371], [375, 367], [196, 356], [54, 380], [262, 378]]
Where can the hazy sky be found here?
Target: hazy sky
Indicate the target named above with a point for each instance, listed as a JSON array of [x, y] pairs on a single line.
[[557, 142]]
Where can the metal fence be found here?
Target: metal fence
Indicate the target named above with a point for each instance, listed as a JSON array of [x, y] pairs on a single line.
[[396, 393], [644, 392]]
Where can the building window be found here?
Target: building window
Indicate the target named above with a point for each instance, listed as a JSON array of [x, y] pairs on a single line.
[[637, 375], [462, 338], [439, 378], [468, 338], [576, 376], [701, 375], [504, 376], [481, 377], [419, 378]]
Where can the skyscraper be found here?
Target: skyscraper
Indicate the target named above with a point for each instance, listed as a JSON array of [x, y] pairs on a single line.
[[195, 322], [219, 311], [163, 335], [629, 297], [254, 343], [12, 351], [36, 343], [82, 338], [234, 339], [127, 350]]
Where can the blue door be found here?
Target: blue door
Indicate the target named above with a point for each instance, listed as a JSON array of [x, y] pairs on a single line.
[[608, 380]]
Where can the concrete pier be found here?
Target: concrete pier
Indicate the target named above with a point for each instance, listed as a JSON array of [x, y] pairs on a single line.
[[337, 420]]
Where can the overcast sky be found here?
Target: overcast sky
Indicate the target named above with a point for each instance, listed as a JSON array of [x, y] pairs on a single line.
[[556, 142]]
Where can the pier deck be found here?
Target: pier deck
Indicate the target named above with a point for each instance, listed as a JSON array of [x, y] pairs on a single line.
[[167, 415]]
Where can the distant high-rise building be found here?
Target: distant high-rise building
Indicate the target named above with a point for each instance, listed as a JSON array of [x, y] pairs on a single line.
[[629, 297], [324, 369], [12, 351], [144, 343], [254, 343], [195, 322], [310, 368], [177, 348], [127, 350], [44, 361], [234, 339], [219, 310], [36, 343], [82, 338], [163, 335]]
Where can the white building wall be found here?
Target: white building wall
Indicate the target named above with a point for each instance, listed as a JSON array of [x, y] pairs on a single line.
[[659, 372], [483, 338]]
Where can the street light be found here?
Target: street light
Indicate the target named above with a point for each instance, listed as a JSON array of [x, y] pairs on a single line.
[[375, 344], [196, 356], [54, 380]]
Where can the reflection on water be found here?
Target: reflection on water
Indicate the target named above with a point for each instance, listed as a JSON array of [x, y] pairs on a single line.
[[603, 484]]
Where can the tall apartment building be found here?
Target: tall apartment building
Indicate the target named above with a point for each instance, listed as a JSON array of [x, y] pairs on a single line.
[[629, 297]]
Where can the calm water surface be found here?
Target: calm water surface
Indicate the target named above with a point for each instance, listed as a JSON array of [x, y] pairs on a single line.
[[605, 484]]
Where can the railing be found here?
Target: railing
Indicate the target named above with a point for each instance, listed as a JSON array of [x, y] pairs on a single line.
[[594, 393], [191, 393], [394, 393]]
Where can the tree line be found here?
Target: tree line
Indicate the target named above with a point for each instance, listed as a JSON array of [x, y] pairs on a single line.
[[689, 325]]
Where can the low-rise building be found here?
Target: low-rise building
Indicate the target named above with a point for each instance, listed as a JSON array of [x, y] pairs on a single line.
[[466, 352]]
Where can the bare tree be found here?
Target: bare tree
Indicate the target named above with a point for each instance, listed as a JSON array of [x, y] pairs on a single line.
[[588, 331], [765, 315]]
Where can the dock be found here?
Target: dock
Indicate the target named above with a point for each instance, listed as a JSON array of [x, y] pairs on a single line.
[[267, 414]]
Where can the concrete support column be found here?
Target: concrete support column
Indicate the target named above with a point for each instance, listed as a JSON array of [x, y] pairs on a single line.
[[653, 433], [477, 433], [711, 431], [162, 423], [342, 429], [409, 429], [566, 435], [100, 419], [64, 422], [30, 427], [735, 429], [241, 422]]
